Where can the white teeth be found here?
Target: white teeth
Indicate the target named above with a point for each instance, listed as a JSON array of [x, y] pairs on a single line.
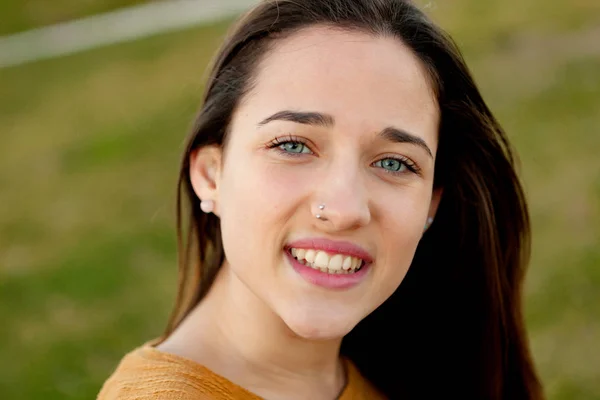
[[300, 254], [347, 263], [310, 256], [328, 263], [335, 262], [321, 259]]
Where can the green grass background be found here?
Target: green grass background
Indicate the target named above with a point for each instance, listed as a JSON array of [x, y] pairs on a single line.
[[89, 150]]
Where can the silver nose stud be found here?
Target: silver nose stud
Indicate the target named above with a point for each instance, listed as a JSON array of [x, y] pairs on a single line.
[[320, 214]]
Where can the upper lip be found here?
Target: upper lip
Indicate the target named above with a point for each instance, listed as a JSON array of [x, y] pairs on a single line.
[[332, 246]]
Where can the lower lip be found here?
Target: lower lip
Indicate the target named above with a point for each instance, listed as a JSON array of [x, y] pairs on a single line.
[[329, 281]]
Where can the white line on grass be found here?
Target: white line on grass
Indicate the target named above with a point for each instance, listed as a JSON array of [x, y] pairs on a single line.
[[113, 27]]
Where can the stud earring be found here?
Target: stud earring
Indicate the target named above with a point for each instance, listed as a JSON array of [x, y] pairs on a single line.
[[428, 223], [207, 206]]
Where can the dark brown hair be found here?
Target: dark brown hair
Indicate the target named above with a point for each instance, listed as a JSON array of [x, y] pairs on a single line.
[[454, 328]]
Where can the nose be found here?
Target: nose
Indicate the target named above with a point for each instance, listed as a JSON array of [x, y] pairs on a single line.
[[344, 200]]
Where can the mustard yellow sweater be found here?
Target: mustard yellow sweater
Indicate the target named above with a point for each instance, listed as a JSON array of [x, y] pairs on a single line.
[[148, 373]]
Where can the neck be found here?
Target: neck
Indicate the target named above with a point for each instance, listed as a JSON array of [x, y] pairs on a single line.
[[235, 334]]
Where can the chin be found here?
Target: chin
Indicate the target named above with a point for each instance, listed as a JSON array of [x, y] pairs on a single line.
[[319, 327]]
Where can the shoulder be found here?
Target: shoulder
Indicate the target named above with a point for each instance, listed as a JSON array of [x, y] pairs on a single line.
[[147, 373]]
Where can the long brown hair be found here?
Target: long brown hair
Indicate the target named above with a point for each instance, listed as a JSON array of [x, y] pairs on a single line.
[[454, 327]]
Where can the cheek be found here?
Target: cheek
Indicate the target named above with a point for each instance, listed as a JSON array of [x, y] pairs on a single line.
[[401, 232], [257, 199], [266, 186]]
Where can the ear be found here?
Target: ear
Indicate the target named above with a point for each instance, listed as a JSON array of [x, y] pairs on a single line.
[[435, 202], [433, 206], [205, 173]]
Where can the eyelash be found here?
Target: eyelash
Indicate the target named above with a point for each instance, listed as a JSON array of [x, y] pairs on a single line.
[[277, 142], [408, 163]]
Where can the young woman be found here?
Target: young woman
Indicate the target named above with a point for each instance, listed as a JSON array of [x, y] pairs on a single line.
[[355, 226]]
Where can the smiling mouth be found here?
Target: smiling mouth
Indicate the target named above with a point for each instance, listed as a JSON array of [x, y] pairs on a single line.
[[330, 263]]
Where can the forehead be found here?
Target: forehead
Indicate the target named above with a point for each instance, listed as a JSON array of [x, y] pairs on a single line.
[[363, 81]]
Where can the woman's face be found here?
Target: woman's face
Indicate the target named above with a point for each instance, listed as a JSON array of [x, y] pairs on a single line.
[[340, 119]]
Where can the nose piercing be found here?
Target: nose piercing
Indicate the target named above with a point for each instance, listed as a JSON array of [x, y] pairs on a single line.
[[319, 215]]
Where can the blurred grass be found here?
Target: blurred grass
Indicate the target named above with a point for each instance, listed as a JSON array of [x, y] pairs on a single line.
[[89, 152]]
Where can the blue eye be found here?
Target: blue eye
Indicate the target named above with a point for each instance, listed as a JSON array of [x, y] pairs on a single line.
[[290, 146], [392, 165], [294, 147]]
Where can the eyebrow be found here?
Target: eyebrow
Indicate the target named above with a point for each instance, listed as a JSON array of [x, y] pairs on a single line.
[[390, 133], [400, 136], [307, 118]]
